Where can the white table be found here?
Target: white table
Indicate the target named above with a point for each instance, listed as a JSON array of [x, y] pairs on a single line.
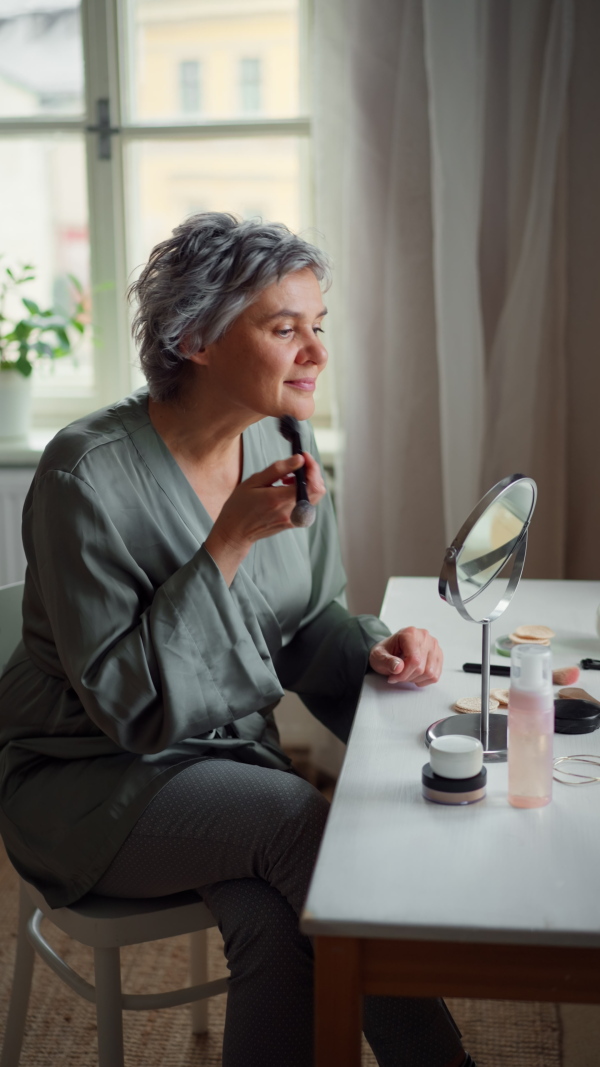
[[414, 898]]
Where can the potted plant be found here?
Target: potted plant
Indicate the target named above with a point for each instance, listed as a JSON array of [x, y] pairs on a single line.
[[25, 337]]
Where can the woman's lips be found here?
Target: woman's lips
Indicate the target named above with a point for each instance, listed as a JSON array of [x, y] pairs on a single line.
[[307, 384]]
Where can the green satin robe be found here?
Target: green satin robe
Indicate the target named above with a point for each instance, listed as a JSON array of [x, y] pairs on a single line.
[[137, 658]]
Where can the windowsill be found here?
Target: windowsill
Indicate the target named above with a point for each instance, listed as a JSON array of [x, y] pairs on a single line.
[[27, 453]]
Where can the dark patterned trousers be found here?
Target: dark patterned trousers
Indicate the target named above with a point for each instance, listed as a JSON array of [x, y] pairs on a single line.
[[246, 838]]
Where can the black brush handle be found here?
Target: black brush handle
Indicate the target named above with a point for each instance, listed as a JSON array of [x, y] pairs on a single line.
[[300, 474], [475, 668], [304, 512], [301, 490]]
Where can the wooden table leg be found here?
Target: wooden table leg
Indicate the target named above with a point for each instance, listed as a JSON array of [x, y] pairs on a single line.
[[338, 1002]]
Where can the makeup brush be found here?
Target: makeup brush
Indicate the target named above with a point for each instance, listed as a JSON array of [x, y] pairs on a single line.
[[304, 513]]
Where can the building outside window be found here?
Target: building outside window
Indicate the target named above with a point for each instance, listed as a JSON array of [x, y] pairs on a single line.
[[250, 86], [103, 150], [190, 86]]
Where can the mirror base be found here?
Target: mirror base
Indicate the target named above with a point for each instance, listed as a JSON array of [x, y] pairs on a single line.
[[470, 725]]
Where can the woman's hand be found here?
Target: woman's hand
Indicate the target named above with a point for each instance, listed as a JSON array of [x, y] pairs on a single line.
[[409, 655], [258, 508]]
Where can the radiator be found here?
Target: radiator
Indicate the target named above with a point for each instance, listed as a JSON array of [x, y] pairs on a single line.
[[14, 483]]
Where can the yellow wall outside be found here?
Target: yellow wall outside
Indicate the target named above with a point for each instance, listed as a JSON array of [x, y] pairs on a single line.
[[218, 42], [248, 177]]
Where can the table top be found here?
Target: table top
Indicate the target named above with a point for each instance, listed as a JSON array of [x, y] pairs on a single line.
[[394, 865]]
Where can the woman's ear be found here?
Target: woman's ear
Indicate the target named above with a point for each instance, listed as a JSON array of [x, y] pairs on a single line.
[[196, 356]]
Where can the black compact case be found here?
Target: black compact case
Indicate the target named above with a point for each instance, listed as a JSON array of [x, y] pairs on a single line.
[[576, 716]]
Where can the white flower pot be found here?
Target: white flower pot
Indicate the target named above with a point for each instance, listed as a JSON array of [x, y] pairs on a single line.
[[15, 406]]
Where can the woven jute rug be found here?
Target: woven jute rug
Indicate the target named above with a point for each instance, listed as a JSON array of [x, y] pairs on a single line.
[[61, 1029]]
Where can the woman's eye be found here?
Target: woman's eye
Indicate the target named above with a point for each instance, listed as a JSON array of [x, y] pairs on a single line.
[[285, 331], [318, 329]]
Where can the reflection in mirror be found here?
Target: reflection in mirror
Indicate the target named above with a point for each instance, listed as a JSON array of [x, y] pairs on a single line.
[[493, 539]]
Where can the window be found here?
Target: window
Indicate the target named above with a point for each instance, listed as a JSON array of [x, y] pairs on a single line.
[[250, 86], [43, 187], [95, 170], [190, 86]]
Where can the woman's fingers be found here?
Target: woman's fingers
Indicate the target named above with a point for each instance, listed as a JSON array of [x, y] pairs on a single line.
[[410, 655], [260, 507], [315, 484], [275, 472], [385, 662], [433, 667], [422, 654]]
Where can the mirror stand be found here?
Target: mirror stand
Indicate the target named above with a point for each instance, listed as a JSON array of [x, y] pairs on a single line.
[[489, 728]]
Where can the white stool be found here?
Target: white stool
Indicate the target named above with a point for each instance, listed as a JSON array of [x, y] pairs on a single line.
[[105, 924]]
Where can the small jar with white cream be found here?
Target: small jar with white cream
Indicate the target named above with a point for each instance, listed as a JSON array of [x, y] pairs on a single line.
[[455, 773]]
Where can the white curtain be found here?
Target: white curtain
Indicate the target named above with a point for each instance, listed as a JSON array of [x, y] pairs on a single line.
[[455, 57], [374, 207], [441, 192]]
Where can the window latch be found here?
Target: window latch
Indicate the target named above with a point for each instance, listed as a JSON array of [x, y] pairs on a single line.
[[103, 128]]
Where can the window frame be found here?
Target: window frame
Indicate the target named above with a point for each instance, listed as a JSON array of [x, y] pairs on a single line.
[[249, 85], [105, 38], [185, 67]]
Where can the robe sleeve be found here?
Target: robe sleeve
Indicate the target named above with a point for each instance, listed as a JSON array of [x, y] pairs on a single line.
[[326, 660], [150, 667]]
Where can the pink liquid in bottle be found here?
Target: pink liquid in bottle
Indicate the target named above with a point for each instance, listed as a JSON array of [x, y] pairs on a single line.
[[530, 727]]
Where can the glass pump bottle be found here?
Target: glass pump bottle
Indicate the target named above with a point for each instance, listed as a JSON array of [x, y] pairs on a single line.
[[530, 727]]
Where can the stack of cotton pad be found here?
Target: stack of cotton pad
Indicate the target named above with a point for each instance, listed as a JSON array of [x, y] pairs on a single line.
[[532, 635]]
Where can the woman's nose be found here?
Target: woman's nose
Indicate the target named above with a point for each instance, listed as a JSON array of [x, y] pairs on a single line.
[[313, 351]]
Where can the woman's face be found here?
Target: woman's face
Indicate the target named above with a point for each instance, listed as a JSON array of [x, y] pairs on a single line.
[[269, 360]]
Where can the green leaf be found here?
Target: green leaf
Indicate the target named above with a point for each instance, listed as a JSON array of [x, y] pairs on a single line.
[[75, 281], [23, 366], [31, 306], [78, 325], [22, 330], [52, 322], [63, 337], [43, 349]]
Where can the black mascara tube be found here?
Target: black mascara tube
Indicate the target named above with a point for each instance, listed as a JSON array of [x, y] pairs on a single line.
[[475, 668]]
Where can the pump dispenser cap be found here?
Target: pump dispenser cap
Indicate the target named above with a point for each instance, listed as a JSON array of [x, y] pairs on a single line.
[[531, 669]]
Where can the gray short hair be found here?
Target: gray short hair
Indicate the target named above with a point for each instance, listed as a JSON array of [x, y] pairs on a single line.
[[198, 281]]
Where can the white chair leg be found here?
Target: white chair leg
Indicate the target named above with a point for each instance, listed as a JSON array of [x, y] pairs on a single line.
[[17, 1013], [199, 975], [109, 1013]]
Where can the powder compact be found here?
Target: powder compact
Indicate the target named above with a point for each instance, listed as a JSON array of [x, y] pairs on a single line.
[[455, 773]]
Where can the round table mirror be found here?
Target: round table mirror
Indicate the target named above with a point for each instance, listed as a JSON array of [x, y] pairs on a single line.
[[491, 543]]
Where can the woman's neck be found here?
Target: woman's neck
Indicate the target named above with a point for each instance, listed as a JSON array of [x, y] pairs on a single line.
[[197, 431]]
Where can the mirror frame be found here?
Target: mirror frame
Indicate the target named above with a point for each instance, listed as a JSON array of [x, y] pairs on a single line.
[[490, 728], [448, 587]]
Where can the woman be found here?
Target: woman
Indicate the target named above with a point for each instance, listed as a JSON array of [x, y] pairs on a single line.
[[168, 600]]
